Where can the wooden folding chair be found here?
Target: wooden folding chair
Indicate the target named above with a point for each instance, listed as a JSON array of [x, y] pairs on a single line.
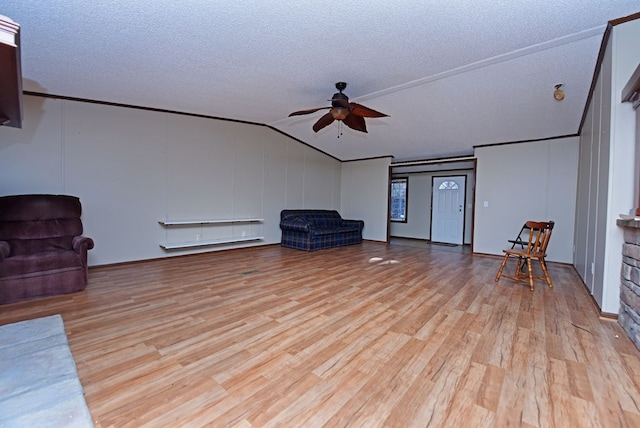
[[520, 240], [534, 248]]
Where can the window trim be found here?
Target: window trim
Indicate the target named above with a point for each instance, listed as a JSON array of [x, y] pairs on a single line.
[[406, 199]]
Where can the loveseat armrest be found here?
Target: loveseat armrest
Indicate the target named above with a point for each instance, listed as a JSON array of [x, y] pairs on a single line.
[[298, 224], [81, 241], [4, 250]]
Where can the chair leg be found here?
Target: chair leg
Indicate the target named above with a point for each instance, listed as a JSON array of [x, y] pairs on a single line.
[[523, 266], [530, 268], [546, 272], [504, 263], [517, 273]]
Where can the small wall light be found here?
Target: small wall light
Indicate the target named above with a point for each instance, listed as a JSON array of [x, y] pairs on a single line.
[[558, 94]]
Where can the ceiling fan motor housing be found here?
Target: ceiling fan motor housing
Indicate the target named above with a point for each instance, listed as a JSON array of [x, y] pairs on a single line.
[[339, 96]]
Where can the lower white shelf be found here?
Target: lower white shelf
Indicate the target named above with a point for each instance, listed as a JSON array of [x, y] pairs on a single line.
[[191, 244], [206, 221]]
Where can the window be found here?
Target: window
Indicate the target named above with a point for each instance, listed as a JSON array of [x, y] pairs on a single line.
[[399, 189], [448, 185]]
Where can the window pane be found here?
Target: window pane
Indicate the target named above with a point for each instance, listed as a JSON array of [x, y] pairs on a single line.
[[399, 199], [448, 185]]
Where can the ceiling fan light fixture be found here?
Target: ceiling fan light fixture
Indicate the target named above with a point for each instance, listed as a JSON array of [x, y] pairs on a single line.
[[339, 113]]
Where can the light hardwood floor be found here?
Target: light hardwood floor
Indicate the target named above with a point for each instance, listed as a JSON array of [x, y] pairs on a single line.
[[361, 336]]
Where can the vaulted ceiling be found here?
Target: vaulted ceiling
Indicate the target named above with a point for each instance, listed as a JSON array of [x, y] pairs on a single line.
[[450, 74]]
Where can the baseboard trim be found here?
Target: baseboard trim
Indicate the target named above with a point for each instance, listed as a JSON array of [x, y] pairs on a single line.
[[601, 314], [371, 241], [133, 262]]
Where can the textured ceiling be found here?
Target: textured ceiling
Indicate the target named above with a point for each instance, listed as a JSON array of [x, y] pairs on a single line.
[[450, 74]]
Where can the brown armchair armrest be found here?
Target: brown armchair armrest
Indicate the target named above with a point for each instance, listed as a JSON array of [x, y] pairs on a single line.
[[4, 250], [80, 241]]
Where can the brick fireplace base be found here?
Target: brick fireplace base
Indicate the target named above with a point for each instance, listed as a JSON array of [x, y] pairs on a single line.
[[629, 317]]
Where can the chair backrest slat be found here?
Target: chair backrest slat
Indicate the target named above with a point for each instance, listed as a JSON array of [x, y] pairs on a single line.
[[539, 236]]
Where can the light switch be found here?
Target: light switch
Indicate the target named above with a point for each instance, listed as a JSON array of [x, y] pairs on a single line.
[[486, 204]]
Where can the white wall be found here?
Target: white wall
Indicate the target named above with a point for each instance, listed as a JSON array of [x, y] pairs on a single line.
[[526, 181], [365, 192], [419, 200], [607, 154], [132, 168]]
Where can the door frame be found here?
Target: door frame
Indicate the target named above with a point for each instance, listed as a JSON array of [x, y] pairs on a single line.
[[438, 166]]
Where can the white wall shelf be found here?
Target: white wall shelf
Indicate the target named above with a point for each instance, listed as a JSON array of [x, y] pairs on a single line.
[[209, 242], [212, 221]]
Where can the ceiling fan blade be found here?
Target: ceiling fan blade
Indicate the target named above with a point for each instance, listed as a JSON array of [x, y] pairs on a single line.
[[325, 120], [360, 110], [313, 110], [355, 122]]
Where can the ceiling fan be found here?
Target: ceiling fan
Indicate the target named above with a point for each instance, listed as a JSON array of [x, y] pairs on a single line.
[[351, 114]]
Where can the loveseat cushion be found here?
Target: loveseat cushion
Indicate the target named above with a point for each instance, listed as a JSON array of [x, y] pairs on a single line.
[[40, 262], [25, 247], [39, 229], [325, 220], [320, 219], [335, 230], [39, 207]]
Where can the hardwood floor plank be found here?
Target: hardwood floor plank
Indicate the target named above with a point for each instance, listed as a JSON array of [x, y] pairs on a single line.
[[490, 388], [560, 401], [578, 379], [375, 400], [461, 410], [449, 380], [317, 406], [512, 400], [539, 402]]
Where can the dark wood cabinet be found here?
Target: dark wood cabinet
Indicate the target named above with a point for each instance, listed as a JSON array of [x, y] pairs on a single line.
[[10, 74]]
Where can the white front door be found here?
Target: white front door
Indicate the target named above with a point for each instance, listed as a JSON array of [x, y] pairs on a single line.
[[447, 209]]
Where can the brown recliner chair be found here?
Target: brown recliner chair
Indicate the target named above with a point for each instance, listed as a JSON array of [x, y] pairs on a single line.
[[42, 250]]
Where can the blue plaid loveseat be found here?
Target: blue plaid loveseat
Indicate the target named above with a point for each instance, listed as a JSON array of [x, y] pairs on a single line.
[[312, 230]]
